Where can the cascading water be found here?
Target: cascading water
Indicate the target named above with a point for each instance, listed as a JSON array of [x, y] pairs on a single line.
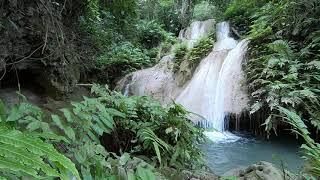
[[196, 30], [213, 83], [230, 69]]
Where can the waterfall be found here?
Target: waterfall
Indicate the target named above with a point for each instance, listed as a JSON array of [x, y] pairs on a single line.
[[210, 92], [126, 90], [197, 30], [231, 67], [215, 88]]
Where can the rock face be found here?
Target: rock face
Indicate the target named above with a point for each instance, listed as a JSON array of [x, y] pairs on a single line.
[[157, 81], [261, 171]]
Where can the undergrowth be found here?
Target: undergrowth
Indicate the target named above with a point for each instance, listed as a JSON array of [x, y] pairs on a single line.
[[106, 136], [194, 55], [201, 49], [124, 43], [283, 68]]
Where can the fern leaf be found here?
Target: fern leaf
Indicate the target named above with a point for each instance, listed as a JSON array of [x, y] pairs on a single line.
[[66, 129], [294, 119], [255, 107], [17, 167], [26, 158], [20, 142]]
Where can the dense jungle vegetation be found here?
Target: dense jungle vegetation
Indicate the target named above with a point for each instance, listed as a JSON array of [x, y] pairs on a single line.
[[52, 46], [283, 67]]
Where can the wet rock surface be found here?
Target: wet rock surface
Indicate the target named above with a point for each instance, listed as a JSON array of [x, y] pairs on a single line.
[[261, 171], [158, 82]]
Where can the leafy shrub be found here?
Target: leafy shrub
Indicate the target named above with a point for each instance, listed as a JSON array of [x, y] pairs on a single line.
[[311, 148], [201, 49], [194, 55], [125, 56], [166, 13], [240, 13], [283, 70], [205, 10], [25, 153], [151, 34], [281, 65], [101, 27], [105, 136], [148, 129], [180, 52]]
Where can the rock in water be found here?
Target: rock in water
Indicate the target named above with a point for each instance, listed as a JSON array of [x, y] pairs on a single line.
[[261, 171]]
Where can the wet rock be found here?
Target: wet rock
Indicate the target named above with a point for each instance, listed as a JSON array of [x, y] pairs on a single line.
[[174, 174], [261, 171], [157, 81], [202, 176], [184, 73]]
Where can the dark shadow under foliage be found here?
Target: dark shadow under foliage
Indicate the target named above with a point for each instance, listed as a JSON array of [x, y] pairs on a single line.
[[43, 37]]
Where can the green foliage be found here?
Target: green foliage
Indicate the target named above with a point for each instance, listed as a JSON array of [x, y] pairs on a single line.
[[166, 12], [194, 55], [125, 14], [106, 136], [25, 153], [128, 167], [180, 52], [240, 12], [205, 10], [148, 129], [201, 49], [282, 69], [151, 34], [311, 148], [123, 41], [125, 56]]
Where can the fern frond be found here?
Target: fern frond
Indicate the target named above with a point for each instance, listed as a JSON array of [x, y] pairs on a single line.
[[27, 153], [148, 137], [256, 107]]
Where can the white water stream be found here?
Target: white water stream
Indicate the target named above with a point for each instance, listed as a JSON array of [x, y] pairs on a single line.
[[210, 91]]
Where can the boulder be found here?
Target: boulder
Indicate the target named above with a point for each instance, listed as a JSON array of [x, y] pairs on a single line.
[[157, 81], [171, 173], [261, 171]]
